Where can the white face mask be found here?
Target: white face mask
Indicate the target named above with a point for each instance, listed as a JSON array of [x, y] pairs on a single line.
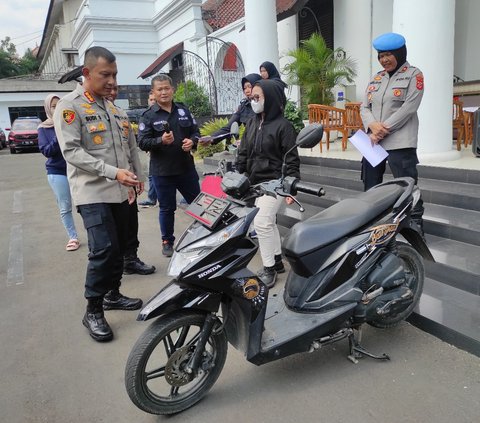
[[257, 106]]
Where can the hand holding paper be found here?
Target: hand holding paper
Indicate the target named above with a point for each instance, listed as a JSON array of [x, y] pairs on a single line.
[[374, 154]]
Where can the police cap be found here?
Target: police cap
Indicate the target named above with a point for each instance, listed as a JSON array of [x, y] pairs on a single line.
[[388, 42]]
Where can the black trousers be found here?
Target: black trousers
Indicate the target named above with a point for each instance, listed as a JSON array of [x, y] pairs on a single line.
[[132, 241], [106, 225], [402, 162]]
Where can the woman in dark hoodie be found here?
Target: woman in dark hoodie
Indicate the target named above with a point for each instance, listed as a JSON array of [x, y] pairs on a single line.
[[267, 137], [244, 111]]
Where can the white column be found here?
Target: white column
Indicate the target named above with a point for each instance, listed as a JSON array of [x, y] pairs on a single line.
[[260, 33], [287, 41], [428, 27]]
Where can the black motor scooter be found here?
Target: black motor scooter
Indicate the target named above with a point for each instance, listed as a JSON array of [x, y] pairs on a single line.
[[347, 269]]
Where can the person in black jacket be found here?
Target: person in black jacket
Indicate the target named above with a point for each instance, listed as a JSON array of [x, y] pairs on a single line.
[[169, 132], [267, 137], [244, 111]]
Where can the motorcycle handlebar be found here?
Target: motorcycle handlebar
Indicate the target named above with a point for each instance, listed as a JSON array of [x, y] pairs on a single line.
[[308, 188]]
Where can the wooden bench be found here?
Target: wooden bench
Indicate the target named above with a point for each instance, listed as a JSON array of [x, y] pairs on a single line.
[[335, 119]]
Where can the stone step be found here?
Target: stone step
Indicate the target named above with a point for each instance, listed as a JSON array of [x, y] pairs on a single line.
[[468, 176], [450, 314], [442, 192], [451, 221]]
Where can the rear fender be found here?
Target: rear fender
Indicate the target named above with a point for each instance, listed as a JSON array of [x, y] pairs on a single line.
[[177, 297], [412, 235]]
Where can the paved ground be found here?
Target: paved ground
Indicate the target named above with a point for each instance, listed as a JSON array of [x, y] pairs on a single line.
[[51, 371]]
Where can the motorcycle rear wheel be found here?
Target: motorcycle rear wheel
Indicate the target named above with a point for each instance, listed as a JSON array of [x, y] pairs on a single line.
[[413, 264], [155, 378]]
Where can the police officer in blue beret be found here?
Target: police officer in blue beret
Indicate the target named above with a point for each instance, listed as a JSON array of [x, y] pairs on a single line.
[[389, 114]]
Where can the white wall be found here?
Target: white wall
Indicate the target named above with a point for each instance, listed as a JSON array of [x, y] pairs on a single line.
[[137, 31], [288, 40], [467, 35], [356, 23]]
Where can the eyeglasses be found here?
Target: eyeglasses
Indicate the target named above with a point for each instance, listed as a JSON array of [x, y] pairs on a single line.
[[256, 97]]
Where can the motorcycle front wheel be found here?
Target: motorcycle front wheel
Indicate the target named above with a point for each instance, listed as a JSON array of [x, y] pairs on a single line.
[[412, 265], [155, 375]]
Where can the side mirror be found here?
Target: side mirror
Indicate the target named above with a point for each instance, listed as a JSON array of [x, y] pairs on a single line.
[[234, 129], [310, 136]]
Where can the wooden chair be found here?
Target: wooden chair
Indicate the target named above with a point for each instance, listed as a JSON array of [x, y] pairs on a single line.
[[458, 122], [331, 118], [353, 120], [468, 120]]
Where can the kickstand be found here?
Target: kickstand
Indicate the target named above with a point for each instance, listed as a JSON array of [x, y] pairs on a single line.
[[357, 351]]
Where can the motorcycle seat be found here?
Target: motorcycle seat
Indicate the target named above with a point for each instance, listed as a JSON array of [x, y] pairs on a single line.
[[339, 220]]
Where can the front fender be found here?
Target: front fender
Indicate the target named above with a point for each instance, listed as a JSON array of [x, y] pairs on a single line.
[[176, 297]]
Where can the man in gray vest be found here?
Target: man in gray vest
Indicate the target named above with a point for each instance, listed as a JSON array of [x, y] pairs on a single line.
[[389, 114]]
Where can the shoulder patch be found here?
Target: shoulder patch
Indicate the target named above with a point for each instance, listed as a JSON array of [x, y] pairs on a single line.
[[68, 116], [419, 79]]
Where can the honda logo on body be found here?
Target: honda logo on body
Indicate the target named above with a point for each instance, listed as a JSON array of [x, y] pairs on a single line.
[[207, 272]]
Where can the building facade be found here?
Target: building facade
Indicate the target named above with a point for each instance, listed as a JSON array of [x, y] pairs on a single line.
[[215, 42]]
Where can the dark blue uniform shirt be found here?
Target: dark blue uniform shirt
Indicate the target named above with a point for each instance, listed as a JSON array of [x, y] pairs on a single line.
[[167, 160]]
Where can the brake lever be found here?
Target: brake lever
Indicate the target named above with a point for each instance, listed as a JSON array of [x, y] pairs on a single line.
[[282, 193]]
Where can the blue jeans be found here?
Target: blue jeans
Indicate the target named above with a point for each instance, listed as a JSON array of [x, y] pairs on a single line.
[[166, 188], [61, 189], [152, 193]]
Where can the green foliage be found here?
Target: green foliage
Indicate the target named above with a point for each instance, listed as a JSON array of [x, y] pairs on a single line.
[[29, 63], [212, 126], [317, 69], [11, 65], [194, 97], [294, 115], [209, 128], [7, 66], [7, 46]]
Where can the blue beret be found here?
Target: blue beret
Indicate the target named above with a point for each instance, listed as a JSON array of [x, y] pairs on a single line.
[[389, 41]]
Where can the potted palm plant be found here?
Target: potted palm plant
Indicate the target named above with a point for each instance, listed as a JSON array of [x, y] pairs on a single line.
[[317, 69]]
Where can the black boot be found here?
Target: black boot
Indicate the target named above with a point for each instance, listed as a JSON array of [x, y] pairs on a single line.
[[279, 267], [268, 276], [94, 321], [113, 300], [132, 264]]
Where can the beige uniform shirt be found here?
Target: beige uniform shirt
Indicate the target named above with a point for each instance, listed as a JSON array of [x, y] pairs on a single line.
[[96, 140], [394, 101]]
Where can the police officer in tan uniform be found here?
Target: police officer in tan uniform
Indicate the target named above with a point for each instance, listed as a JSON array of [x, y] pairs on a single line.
[[100, 149], [389, 114], [131, 261]]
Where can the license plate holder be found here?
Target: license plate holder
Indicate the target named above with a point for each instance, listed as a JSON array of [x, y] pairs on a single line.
[[207, 209]]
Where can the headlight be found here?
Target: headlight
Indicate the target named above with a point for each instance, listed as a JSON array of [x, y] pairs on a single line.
[[197, 250]]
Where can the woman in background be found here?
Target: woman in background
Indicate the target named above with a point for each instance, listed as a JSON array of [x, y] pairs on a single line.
[[269, 71], [57, 171]]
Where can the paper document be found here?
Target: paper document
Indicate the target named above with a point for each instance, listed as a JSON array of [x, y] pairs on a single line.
[[374, 154]]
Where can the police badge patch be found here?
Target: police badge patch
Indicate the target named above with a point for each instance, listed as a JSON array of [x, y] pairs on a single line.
[[68, 116], [181, 112], [141, 127]]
